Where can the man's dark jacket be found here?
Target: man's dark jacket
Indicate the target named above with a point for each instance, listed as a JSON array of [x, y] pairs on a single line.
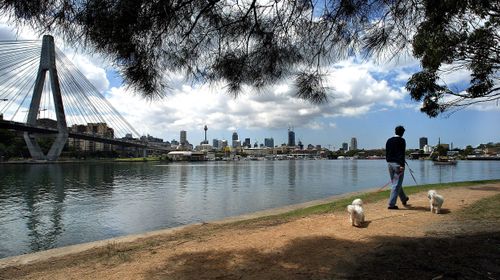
[[395, 150]]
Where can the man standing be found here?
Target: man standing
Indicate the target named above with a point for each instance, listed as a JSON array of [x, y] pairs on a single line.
[[395, 156]]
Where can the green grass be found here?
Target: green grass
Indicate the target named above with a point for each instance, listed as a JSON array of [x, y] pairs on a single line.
[[341, 204]]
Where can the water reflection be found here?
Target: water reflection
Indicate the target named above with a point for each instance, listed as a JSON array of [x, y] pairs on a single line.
[[43, 223], [269, 177], [183, 179], [292, 174], [40, 193], [354, 171]]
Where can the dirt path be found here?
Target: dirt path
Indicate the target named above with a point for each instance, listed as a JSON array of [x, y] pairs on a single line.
[[408, 243]]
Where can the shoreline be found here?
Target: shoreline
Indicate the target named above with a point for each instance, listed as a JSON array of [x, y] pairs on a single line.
[[34, 257]]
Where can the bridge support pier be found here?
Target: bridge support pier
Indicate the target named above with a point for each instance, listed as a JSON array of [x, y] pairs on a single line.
[[47, 63]]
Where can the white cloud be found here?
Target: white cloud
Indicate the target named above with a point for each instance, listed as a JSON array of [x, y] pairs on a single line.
[[451, 74], [355, 93]]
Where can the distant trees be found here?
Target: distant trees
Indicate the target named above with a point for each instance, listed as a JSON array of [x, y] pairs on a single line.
[[260, 42]]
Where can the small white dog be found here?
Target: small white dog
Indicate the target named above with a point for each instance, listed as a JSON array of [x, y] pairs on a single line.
[[436, 201], [356, 212]]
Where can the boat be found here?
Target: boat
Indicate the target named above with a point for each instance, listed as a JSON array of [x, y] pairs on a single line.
[[445, 161]]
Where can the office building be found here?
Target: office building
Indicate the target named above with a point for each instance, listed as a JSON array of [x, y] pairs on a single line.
[[354, 144], [422, 142], [183, 138], [97, 129], [247, 143], [291, 137], [215, 144], [269, 142]]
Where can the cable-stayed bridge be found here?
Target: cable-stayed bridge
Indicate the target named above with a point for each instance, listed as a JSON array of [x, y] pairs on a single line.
[[43, 93]]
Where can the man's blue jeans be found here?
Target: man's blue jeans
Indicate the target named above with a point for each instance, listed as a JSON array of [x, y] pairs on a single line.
[[397, 183]]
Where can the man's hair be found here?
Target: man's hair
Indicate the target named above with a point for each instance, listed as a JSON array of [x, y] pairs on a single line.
[[400, 130]]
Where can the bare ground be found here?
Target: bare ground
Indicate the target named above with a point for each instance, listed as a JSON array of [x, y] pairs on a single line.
[[410, 243]]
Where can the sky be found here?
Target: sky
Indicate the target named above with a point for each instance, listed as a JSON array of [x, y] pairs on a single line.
[[367, 101]]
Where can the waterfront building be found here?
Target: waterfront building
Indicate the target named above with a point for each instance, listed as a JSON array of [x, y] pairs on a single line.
[[422, 142], [269, 142], [258, 152], [235, 136], [186, 156], [427, 149], [354, 144], [96, 129], [291, 137], [204, 147]]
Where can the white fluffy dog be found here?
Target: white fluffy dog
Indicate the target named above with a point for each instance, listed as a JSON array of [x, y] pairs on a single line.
[[436, 201], [356, 212]]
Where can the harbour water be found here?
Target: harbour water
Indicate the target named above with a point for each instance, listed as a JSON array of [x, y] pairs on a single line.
[[44, 206]]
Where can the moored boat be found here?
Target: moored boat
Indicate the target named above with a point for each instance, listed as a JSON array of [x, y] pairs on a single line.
[[445, 161]]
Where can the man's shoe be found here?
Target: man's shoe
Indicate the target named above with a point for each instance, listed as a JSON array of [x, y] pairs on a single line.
[[395, 207], [405, 201]]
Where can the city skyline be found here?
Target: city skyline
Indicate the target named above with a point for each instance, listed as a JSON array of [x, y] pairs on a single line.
[[269, 142], [367, 102]]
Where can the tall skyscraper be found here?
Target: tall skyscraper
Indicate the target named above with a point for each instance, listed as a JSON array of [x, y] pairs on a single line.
[[291, 137], [422, 142], [354, 144], [183, 138], [235, 143], [269, 142]]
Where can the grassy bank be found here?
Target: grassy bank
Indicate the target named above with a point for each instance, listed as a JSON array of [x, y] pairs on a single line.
[[139, 159]]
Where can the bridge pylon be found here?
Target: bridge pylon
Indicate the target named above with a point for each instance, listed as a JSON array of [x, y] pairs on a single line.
[[47, 64]]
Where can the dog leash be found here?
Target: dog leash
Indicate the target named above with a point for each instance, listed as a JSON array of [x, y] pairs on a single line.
[[411, 173], [390, 181]]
